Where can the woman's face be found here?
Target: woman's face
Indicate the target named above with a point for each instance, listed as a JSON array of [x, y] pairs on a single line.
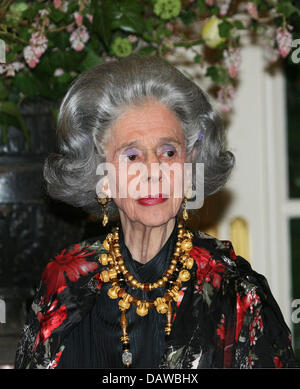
[[145, 135]]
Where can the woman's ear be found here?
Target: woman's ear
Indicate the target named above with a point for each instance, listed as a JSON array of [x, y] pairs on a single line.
[[103, 187]]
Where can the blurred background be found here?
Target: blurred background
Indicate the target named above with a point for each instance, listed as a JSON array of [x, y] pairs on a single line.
[[244, 54]]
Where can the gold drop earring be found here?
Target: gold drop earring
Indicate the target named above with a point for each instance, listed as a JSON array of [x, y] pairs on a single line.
[[185, 213], [188, 195], [104, 201]]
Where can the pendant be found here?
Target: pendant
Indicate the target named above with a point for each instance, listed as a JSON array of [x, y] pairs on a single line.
[[142, 308], [105, 220], [127, 358]]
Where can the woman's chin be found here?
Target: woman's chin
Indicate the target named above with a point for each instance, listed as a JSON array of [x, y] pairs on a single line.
[[150, 215], [153, 217]]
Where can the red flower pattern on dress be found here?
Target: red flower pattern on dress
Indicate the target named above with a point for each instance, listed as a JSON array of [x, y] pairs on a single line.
[[49, 322], [242, 305], [221, 328], [277, 362], [232, 254], [178, 302], [208, 268], [54, 363], [73, 263], [256, 324], [99, 281]]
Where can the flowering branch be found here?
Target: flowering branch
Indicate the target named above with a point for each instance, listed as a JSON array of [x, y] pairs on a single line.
[[51, 42]]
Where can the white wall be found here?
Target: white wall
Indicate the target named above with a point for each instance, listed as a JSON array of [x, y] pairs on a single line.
[[259, 182]]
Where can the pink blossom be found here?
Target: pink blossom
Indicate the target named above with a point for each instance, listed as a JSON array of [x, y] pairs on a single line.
[[70, 27], [224, 6], [90, 17], [225, 97], [78, 18], [38, 39], [79, 37], [132, 38], [61, 5], [268, 38], [252, 10], [209, 2], [17, 66], [3, 68], [30, 56], [38, 43], [232, 60], [10, 72], [284, 41], [57, 3], [11, 68], [43, 12], [58, 72], [169, 26]]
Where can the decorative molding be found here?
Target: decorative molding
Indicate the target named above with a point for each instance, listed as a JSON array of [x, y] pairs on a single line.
[[239, 236]]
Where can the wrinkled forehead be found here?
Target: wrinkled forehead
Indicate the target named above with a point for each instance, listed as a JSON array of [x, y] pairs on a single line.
[[148, 125]]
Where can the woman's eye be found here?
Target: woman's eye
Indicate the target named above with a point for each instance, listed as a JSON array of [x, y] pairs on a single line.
[[169, 153], [130, 154], [132, 157]]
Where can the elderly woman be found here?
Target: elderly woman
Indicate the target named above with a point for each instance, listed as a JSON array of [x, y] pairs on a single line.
[[150, 293]]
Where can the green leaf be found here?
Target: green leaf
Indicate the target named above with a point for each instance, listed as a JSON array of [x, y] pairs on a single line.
[[149, 25], [95, 44], [197, 58], [10, 108], [8, 120], [32, 11], [160, 31], [66, 59], [54, 112], [56, 15], [91, 60], [25, 34], [28, 84], [126, 15], [73, 7], [287, 8], [202, 6], [4, 92], [147, 50], [64, 78], [224, 29], [239, 25], [217, 74], [60, 39], [45, 66], [187, 17], [215, 11], [101, 23]]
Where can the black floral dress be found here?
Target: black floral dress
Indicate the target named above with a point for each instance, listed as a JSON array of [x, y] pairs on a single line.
[[226, 316]]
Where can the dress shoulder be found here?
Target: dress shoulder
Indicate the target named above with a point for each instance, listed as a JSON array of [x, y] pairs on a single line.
[[227, 279]]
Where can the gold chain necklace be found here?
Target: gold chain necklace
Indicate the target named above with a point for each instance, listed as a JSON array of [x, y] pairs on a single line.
[[120, 279]]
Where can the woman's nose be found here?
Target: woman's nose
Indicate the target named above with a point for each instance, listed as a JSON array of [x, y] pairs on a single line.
[[152, 165]]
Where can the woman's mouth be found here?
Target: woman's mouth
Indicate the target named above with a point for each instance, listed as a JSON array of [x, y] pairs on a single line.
[[152, 200]]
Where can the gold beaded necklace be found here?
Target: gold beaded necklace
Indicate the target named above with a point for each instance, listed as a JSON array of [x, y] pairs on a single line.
[[121, 279]]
